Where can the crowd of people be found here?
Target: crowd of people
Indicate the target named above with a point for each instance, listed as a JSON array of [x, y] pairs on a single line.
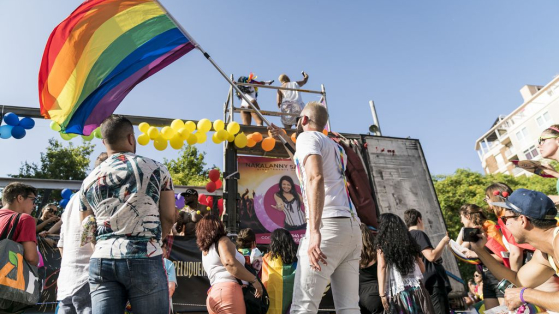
[[113, 239]]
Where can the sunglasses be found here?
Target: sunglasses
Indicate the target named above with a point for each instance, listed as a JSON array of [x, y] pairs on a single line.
[[543, 139], [505, 218]]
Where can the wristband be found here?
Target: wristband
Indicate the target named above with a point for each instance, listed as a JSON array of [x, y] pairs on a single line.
[[522, 295]]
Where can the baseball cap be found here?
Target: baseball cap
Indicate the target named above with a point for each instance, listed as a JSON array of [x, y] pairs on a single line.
[[532, 204], [189, 192]]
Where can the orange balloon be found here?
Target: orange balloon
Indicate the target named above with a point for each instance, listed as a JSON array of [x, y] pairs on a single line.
[[257, 136], [268, 144], [325, 132], [294, 137], [250, 142]]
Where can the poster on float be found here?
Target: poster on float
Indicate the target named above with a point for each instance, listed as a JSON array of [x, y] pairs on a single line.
[[270, 197]]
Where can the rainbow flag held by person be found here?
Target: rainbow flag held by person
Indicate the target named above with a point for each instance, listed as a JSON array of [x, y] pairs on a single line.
[[96, 56], [278, 279]]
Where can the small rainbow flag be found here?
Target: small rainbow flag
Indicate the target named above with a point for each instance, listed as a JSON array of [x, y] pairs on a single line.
[[94, 58], [278, 279]]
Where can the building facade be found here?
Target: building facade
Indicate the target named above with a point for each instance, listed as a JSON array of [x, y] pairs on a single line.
[[515, 136]]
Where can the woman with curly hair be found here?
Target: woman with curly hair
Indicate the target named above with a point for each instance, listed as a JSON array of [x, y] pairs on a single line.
[[278, 272], [369, 299], [224, 265], [400, 269]]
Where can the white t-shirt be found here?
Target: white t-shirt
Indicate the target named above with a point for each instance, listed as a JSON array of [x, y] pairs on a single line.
[[74, 268], [337, 202], [214, 268], [291, 95]]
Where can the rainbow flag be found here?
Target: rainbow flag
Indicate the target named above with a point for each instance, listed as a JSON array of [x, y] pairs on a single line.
[[278, 279], [94, 58]]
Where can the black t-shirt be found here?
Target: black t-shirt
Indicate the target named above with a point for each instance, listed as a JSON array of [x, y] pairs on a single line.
[[435, 274]]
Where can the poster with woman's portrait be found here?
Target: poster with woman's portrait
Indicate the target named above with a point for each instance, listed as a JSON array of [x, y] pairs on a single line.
[[270, 197]]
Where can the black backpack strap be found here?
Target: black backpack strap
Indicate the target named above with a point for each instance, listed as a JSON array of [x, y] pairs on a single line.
[[6, 230], [14, 227]]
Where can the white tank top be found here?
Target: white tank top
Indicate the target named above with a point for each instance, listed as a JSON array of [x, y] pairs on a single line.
[[214, 268]]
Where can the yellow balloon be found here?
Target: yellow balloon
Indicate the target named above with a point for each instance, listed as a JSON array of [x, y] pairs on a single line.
[[190, 126], [216, 139], [55, 126], [153, 132], [230, 138], [233, 128], [222, 135], [143, 127], [167, 133], [201, 137], [241, 140], [97, 133], [88, 137], [192, 139], [219, 125], [65, 136], [177, 124], [176, 142], [143, 139], [183, 132], [160, 143], [204, 125]]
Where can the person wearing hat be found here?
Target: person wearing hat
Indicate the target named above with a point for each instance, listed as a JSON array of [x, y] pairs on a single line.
[[530, 217], [194, 210]]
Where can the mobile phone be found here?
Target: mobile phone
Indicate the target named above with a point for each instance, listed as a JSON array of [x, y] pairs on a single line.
[[470, 235]]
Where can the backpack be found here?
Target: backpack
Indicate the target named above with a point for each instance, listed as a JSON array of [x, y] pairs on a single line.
[[255, 305], [19, 281]]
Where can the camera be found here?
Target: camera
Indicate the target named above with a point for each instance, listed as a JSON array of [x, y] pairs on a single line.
[[470, 235]]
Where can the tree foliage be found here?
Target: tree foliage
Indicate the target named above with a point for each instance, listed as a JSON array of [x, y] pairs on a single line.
[[59, 162], [466, 186], [188, 167]]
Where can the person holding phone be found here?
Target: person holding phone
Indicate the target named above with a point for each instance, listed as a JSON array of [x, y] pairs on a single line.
[[475, 223], [548, 144]]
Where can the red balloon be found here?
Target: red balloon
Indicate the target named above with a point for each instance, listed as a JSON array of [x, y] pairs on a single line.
[[220, 206], [202, 199], [210, 187], [210, 201], [214, 175], [218, 184]]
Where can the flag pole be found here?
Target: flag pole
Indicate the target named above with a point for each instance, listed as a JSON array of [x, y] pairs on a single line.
[[197, 46]]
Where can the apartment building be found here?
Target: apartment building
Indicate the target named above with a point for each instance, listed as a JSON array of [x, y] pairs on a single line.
[[515, 136]]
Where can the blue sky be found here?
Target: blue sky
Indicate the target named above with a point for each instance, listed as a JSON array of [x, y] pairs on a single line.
[[439, 71]]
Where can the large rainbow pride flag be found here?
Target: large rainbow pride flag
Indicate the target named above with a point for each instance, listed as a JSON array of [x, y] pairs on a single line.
[[95, 57], [278, 280]]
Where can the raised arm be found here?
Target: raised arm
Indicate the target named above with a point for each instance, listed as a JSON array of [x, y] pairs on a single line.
[[304, 81], [434, 254]]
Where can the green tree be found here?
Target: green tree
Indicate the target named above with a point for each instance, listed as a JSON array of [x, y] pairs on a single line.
[[188, 167], [466, 186], [59, 162]]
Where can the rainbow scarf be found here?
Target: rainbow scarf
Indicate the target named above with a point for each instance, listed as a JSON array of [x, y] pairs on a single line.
[[278, 280], [94, 58]]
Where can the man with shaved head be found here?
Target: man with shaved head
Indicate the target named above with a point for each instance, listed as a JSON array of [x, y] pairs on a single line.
[[331, 248], [131, 201]]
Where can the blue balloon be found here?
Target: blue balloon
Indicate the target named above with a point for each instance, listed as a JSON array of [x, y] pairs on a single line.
[[27, 123], [11, 119], [66, 194], [63, 203], [18, 132], [6, 131]]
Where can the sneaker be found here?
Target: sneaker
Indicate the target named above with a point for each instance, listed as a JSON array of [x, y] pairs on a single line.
[[269, 82]]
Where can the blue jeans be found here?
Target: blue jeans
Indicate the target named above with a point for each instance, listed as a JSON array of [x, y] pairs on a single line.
[[142, 281]]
